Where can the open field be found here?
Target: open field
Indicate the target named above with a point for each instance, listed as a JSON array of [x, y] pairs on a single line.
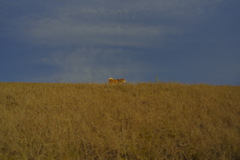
[[145, 121]]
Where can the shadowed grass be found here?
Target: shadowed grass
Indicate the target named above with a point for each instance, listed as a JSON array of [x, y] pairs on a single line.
[[145, 121]]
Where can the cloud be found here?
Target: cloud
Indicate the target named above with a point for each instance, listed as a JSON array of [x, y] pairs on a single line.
[[53, 32], [113, 23]]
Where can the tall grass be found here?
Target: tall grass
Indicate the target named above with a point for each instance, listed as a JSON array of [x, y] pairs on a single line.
[[145, 121]]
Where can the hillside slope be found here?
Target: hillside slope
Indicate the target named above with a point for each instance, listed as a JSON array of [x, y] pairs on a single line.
[[145, 121]]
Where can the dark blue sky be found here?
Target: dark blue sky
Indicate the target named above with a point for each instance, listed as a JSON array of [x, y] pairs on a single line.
[[188, 41]]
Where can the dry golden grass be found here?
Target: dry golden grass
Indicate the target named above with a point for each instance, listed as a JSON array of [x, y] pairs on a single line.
[[145, 121]]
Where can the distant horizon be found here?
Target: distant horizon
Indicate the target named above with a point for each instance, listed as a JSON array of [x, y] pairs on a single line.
[[140, 82]]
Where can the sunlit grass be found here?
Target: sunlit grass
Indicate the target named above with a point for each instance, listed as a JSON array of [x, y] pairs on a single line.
[[145, 121]]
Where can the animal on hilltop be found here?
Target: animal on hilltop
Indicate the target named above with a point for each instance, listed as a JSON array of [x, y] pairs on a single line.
[[116, 81]]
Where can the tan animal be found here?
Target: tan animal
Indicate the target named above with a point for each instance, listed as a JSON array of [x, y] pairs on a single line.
[[116, 81]]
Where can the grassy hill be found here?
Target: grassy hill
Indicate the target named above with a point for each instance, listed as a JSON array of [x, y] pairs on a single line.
[[145, 121]]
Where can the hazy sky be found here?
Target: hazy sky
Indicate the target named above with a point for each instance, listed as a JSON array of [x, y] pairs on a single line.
[[187, 41]]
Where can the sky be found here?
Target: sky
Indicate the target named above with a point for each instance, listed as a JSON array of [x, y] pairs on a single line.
[[79, 41]]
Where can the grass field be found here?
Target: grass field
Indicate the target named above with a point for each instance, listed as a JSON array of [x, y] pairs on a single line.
[[144, 121]]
